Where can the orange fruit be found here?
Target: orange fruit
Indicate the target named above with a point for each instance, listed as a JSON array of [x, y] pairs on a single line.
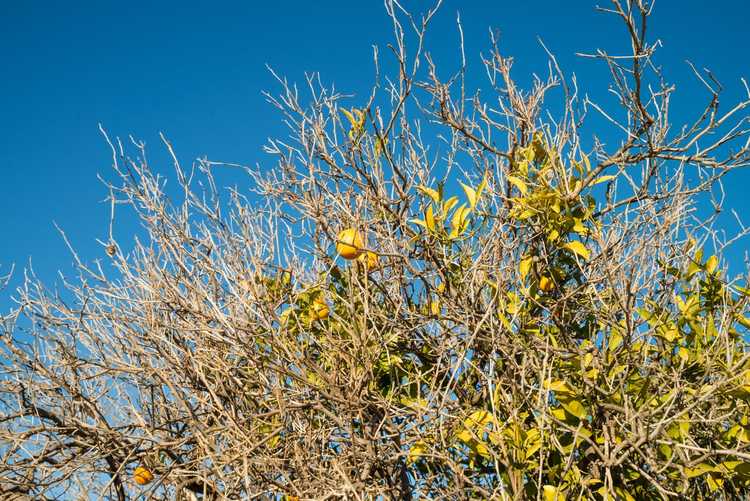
[[370, 260], [142, 476], [349, 244], [320, 309], [546, 284]]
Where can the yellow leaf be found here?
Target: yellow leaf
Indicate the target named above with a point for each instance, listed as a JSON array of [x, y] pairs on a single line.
[[586, 161], [525, 266], [481, 186], [518, 184], [578, 227], [349, 116], [471, 195], [711, 264], [435, 307], [603, 179], [433, 194], [430, 218], [714, 483], [419, 222], [558, 413], [357, 119], [528, 153], [458, 223], [552, 493], [480, 448], [698, 470], [683, 353], [578, 248], [478, 420], [448, 204], [416, 451], [575, 408], [464, 436], [558, 386], [380, 145]]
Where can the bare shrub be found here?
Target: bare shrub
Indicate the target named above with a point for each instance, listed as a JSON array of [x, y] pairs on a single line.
[[554, 330]]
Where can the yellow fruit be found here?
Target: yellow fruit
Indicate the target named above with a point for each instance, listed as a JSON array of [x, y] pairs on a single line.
[[349, 244], [546, 284], [143, 476], [320, 309], [370, 260]]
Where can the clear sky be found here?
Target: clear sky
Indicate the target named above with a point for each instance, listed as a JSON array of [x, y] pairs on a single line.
[[195, 71]]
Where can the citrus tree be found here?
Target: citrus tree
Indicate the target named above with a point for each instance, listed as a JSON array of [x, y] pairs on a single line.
[[433, 294]]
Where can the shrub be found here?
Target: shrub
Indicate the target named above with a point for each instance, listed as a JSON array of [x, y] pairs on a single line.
[[552, 328]]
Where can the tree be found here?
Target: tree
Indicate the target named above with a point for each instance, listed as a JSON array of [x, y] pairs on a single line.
[[552, 329]]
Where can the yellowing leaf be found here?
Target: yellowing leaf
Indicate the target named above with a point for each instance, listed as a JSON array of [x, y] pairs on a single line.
[[435, 307], [586, 162], [574, 407], [380, 145], [478, 420], [459, 222], [416, 451], [357, 119], [433, 194], [578, 248], [684, 354], [349, 116], [480, 449], [603, 179], [525, 266], [711, 264], [698, 470], [558, 413], [528, 153], [419, 222], [481, 186], [558, 386], [471, 195], [552, 493], [430, 218], [518, 184], [448, 204]]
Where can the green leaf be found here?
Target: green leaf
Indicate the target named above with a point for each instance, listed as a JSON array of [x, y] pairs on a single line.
[[578, 248]]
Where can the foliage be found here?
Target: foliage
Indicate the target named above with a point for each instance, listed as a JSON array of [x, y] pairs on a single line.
[[552, 328]]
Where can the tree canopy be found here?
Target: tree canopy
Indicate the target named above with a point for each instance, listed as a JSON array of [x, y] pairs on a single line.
[[435, 293]]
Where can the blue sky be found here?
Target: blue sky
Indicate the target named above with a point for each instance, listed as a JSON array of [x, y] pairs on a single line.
[[195, 71]]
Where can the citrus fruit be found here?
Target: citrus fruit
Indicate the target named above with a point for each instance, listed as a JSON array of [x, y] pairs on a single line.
[[349, 244]]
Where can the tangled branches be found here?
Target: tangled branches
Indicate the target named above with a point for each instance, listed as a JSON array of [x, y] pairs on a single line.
[[551, 329]]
